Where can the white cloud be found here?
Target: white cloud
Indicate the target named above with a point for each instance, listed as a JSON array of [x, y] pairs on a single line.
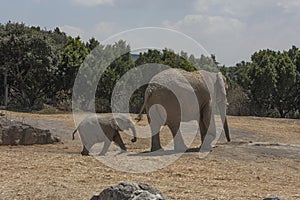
[[234, 30], [207, 25], [234, 8], [93, 2], [246, 8], [215, 33], [289, 6], [100, 31], [103, 30], [73, 31]]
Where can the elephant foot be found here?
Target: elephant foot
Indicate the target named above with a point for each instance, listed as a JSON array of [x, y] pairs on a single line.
[[85, 152], [180, 148], [123, 151], [206, 148], [102, 153], [156, 149]]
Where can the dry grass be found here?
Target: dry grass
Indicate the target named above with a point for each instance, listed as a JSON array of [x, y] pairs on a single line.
[[60, 172], [270, 129]]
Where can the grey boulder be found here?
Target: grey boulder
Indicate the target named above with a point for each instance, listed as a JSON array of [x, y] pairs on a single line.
[[130, 191], [17, 133]]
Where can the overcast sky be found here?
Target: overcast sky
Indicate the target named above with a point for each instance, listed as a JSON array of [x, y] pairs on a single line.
[[232, 30]]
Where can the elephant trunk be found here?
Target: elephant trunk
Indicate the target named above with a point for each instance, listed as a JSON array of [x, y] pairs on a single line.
[[73, 135], [139, 117], [134, 133]]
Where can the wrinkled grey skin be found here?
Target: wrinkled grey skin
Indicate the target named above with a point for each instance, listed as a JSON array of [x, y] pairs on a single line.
[[217, 86], [173, 112], [94, 129]]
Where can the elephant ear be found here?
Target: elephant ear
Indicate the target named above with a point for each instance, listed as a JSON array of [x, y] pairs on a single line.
[[123, 122], [221, 84], [114, 124]]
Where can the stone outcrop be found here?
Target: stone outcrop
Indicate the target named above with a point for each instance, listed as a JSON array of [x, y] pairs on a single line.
[[272, 197], [17, 133], [130, 191]]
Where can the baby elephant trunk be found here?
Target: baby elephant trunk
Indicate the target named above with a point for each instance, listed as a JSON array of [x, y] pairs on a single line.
[[73, 135], [134, 134]]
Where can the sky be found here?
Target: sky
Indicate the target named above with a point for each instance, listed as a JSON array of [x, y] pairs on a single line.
[[232, 30]]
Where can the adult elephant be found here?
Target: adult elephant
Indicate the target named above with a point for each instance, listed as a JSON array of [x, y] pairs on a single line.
[[174, 96], [94, 129], [217, 86]]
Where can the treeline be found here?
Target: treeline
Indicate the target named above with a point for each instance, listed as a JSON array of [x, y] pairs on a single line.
[[41, 67], [269, 85]]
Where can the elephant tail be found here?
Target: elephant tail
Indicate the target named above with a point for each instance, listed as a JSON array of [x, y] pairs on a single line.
[[225, 126], [140, 116], [73, 135], [147, 95]]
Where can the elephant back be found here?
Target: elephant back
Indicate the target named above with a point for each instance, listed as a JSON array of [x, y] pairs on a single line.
[[178, 91], [179, 78]]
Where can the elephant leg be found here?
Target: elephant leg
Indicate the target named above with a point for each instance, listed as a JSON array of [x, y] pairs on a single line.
[[222, 109], [178, 140], [203, 130], [204, 126], [106, 145], [156, 122], [117, 139], [211, 132], [84, 151], [155, 138]]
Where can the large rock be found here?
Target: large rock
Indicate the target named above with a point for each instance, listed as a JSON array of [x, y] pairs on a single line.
[[130, 191], [272, 197], [17, 133]]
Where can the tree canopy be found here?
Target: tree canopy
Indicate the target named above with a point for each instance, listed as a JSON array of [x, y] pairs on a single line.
[[42, 65], [270, 82]]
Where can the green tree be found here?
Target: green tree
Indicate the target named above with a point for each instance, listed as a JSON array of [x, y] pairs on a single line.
[[273, 79], [238, 75], [173, 60], [72, 58], [115, 70], [294, 54], [165, 57], [92, 44], [151, 56], [28, 56], [204, 63]]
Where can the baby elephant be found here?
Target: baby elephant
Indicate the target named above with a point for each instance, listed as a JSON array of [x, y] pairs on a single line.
[[95, 129]]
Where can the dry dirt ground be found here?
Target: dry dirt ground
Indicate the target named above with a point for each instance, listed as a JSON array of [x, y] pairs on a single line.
[[252, 166]]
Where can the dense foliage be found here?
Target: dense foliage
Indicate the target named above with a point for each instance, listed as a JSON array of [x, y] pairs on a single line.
[[41, 68], [266, 86]]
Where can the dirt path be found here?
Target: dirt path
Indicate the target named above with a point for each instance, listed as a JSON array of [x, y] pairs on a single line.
[[262, 159]]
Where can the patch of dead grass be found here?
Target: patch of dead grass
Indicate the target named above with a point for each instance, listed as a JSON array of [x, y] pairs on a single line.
[[60, 172]]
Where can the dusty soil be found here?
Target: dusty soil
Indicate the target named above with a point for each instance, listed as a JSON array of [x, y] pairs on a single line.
[[262, 159]]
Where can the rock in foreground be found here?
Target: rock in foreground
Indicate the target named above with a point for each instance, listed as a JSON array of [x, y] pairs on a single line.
[[17, 133], [130, 191], [272, 197]]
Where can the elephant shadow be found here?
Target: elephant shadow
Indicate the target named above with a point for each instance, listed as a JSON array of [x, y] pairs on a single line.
[[165, 152]]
